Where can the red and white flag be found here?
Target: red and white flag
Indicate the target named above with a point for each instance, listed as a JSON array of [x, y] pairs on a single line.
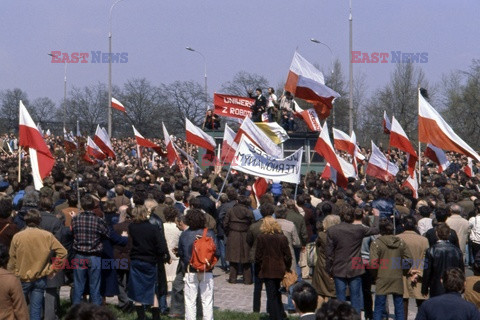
[[94, 151], [342, 141], [102, 140], [399, 140], [229, 146], [311, 119], [433, 129], [257, 136], [379, 166], [387, 126], [232, 106], [196, 136], [438, 156], [259, 188], [324, 148], [357, 153], [412, 184], [69, 142], [172, 154], [306, 82], [141, 141], [468, 169], [118, 105], [41, 158]]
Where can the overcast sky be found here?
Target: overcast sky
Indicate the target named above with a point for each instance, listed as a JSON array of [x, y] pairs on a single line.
[[255, 36]]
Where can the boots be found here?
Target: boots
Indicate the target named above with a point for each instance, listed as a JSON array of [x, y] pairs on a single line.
[[155, 313], [140, 312]]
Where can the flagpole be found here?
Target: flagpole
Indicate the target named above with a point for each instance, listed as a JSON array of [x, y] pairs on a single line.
[[224, 182], [419, 144], [19, 163], [296, 189]]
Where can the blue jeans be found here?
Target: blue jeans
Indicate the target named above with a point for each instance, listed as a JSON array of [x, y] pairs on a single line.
[[34, 291], [356, 294], [380, 302], [221, 248], [80, 279]]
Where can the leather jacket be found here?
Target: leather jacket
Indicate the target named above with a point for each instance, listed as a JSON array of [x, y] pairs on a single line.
[[439, 258]]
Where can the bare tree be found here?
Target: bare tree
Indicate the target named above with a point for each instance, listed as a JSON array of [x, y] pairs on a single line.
[[10, 106], [89, 106], [398, 98], [243, 83], [183, 99], [461, 91], [44, 109], [339, 114], [143, 103]]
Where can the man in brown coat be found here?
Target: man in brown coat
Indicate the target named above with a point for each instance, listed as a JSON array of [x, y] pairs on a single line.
[[417, 244], [236, 223], [344, 242]]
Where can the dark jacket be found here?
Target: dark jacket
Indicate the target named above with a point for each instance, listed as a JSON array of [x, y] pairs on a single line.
[[299, 222], [147, 242], [272, 256], [252, 235], [448, 306], [208, 205], [222, 211], [431, 235], [122, 252], [386, 208], [438, 259], [236, 224], [344, 242], [8, 229]]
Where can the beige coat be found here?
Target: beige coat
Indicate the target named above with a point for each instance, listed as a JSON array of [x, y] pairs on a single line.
[[461, 227], [289, 230], [417, 245]]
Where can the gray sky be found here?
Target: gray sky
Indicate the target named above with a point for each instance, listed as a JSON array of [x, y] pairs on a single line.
[[255, 36]]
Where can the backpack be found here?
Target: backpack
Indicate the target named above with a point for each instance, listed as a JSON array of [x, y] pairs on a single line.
[[203, 253]]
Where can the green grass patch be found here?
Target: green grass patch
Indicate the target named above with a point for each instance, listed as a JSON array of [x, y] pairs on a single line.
[[218, 314]]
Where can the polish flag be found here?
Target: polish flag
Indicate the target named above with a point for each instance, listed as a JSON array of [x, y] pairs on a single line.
[[468, 169], [324, 148], [412, 184], [379, 166], [259, 188], [311, 119], [172, 154], [330, 173], [69, 142], [387, 126], [41, 158], [433, 129], [94, 151], [306, 82], [438, 156], [258, 137], [102, 140], [117, 105], [357, 153], [196, 136], [229, 146], [141, 141], [399, 140], [342, 141]]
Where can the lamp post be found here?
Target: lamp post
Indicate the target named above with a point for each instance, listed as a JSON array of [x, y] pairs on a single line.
[[64, 93], [110, 69], [350, 105], [205, 73], [326, 45]]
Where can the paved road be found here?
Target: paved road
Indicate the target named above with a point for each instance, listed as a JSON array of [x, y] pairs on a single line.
[[239, 297]]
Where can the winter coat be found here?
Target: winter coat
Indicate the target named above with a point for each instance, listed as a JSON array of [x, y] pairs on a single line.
[[390, 258], [272, 256], [236, 223], [322, 282]]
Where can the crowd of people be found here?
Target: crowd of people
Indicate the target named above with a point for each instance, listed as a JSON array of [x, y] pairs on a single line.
[[128, 228]]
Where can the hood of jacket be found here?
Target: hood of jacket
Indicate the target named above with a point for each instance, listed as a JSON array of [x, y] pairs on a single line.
[[390, 241]]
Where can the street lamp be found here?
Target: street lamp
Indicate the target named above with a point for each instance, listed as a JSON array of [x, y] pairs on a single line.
[[110, 69], [64, 93], [205, 75], [350, 94], [320, 42]]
